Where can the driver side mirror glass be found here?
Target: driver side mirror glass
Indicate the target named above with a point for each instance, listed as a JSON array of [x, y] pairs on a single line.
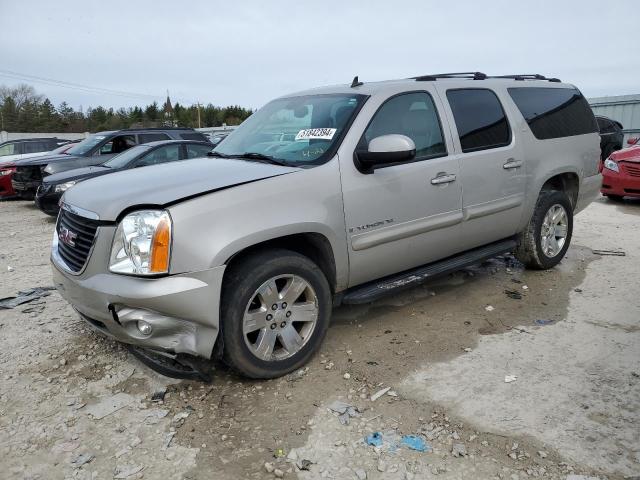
[[385, 150]]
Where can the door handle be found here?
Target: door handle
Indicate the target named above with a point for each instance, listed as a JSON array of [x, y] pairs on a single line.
[[440, 179], [511, 163]]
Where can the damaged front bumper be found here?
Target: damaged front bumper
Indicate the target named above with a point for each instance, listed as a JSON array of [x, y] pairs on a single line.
[[178, 314]]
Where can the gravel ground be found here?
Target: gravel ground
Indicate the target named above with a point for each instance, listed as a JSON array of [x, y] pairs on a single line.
[[74, 404]]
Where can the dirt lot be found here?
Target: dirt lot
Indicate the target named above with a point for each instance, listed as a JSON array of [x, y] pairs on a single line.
[[76, 405]]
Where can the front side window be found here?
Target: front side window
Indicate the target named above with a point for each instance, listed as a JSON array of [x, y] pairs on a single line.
[[118, 145], [480, 119], [554, 112], [195, 151], [120, 161], [295, 130], [8, 149], [35, 147], [170, 153], [86, 145], [413, 115]]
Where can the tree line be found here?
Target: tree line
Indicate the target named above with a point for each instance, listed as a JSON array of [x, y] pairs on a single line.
[[22, 109]]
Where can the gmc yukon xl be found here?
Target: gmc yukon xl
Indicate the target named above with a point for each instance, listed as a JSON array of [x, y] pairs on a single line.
[[334, 195]]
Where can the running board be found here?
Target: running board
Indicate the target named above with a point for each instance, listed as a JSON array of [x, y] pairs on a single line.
[[377, 289]]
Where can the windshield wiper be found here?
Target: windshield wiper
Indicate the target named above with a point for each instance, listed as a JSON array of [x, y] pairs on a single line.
[[263, 158], [213, 153]]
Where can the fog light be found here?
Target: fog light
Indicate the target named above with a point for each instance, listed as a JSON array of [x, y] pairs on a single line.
[[144, 327]]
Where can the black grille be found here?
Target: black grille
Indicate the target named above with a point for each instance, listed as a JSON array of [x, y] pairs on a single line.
[[28, 174], [81, 232]]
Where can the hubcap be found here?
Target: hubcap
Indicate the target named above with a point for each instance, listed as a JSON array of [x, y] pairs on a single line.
[[553, 233], [280, 317]]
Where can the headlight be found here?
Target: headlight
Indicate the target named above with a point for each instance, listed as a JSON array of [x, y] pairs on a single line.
[[611, 165], [142, 244], [5, 172], [63, 187]]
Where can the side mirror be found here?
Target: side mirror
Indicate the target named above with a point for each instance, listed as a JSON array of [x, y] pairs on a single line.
[[385, 150], [632, 141]]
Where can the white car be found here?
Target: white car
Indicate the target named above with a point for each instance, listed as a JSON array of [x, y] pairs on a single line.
[[13, 150]]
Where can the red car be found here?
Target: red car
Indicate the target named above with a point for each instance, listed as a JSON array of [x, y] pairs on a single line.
[[7, 170], [621, 173]]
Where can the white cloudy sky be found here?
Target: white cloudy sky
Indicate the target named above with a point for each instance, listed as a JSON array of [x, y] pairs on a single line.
[[247, 52]]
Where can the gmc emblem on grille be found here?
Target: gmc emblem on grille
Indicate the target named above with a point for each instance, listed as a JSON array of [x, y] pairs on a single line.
[[67, 237]]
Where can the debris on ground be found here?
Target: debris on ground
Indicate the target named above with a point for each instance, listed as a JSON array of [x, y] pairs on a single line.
[[374, 439], [179, 418], [510, 378], [489, 308], [109, 405], [158, 395], [305, 464], [127, 471], [379, 393], [344, 410], [615, 253], [458, 450], [269, 467], [360, 473], [514, 295], [415, 442], [279, 453], [25, 296], [82, 459], [542, 321]]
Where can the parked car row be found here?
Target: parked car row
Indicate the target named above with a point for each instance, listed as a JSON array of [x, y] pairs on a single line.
[[342, 194]]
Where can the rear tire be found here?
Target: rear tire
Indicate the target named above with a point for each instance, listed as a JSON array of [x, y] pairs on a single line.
[[545, 241], [276, 308]]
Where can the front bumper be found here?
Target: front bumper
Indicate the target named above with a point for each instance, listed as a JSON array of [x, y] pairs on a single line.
[[47, 200], [25, 189], [620, 184], [183, 310], [6, 190]]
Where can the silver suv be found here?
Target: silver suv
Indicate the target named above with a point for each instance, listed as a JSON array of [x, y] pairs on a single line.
[[340, 194]]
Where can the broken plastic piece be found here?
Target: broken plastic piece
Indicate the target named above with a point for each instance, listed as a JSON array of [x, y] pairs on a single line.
[[375, 439], [414, 442]]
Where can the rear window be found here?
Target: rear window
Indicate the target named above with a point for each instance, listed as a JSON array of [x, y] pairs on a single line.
[[194, 136], [554, 112], [479, 118]]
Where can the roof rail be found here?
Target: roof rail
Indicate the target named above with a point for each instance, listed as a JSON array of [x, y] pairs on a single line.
[[528, 76], [435, 76]]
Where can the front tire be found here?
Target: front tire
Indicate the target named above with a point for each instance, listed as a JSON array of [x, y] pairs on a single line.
[[546, 239], [275, 311]]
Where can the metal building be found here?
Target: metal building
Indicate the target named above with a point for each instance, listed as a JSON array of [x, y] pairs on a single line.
[[623, 108]]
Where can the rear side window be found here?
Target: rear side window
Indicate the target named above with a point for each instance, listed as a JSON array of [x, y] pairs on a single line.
[[194, 136], [413, 115], [554, 112], [152, 137], [35, 147], [480, 119]]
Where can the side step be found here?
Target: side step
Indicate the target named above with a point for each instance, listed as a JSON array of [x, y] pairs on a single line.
[[372, 291]]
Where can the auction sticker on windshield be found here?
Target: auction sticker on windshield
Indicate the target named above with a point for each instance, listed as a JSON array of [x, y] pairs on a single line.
[[316, 134]]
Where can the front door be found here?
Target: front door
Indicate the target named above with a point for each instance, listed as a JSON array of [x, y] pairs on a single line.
[[404, 215], [492, 169]]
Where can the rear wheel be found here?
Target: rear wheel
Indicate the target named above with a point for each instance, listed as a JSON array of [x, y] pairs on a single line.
[[547, 237], [276, 307]]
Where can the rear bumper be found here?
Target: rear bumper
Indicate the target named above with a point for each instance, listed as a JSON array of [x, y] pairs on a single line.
[[620, 184], [183, 310], [588, 192]]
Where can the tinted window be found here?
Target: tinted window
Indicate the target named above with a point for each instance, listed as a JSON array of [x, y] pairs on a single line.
[[479, 118], [170, 153], [194, 151], [118, 144], [35, 147], [152, 137], [413, 115], [554, 112], [194, 136]]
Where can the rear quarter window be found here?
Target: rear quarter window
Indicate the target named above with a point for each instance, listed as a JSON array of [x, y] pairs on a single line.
[[554, 112]]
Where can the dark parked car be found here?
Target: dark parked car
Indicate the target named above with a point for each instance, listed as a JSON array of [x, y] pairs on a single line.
[[611, 136], [94, 150], [12, 150], [54, 186]]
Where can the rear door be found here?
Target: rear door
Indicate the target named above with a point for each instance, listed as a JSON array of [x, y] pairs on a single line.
[[491, 164]]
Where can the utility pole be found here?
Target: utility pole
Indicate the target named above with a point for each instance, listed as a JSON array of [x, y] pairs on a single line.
[[199, 126]]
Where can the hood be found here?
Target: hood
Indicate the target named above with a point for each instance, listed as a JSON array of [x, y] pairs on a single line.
[[631, 154], [7, 163], [77, 174], [45, 159], [161, 185]]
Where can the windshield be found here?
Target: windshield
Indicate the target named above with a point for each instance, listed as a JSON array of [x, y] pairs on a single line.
[[295, 130], [125, 157], [86, 145]]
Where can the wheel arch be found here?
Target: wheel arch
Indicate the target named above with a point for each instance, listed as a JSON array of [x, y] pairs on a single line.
[[568, 182]]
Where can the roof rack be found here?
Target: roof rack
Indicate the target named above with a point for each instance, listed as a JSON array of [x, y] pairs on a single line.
[[435, 76], [528, 76]]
